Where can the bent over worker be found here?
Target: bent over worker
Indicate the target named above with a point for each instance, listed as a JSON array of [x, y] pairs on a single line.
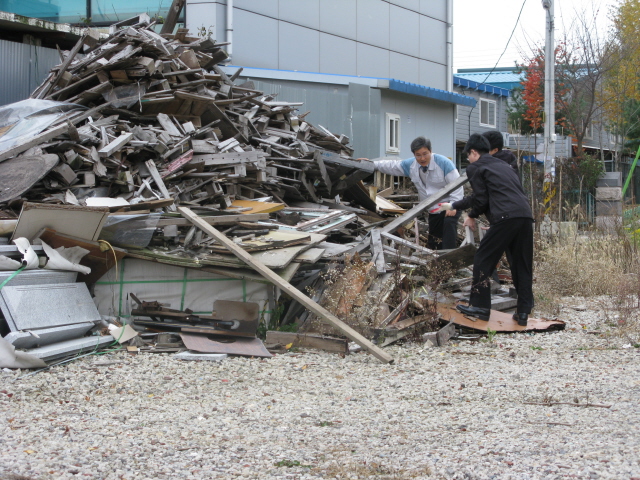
[[498, 193], [430, 172]]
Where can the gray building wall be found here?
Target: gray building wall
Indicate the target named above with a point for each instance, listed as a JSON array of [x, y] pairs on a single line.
[[24, 67], [468, 118], [359, 111], [419, 117], [402, 39]]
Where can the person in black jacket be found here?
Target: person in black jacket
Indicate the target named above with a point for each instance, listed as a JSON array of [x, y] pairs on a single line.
[[496, 142], [498, 194]]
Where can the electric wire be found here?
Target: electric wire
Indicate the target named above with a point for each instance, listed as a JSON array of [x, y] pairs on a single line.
[[499, 58]]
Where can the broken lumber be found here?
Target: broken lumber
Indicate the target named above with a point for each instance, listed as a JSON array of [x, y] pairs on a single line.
[[287, 287]]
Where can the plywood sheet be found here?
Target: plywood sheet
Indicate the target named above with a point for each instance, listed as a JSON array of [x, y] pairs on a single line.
[[257, 207], [498, 321], [82, 222]]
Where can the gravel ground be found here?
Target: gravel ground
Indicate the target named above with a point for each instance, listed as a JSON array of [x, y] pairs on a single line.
[[470, 410]]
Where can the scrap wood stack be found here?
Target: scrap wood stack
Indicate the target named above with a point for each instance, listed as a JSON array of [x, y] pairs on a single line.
[[165, 122], [142, 124]]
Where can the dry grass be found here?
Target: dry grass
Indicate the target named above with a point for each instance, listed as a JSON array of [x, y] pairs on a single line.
[[585, 266]]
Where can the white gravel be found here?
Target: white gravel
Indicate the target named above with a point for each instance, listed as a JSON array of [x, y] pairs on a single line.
[[456, 412]]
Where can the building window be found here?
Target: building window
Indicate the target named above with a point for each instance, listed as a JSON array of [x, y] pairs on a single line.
[[588, 132], [393, 133], [487, 113]]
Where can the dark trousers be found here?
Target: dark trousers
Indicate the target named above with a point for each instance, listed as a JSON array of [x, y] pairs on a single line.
[[514, 236], [443, 231]]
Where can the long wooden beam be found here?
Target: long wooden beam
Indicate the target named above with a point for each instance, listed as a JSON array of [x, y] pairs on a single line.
[[430, 201], [286, 286]]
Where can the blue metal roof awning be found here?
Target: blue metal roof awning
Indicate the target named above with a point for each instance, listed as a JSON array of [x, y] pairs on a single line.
[[483, 87], [384, 83], [428, 92]]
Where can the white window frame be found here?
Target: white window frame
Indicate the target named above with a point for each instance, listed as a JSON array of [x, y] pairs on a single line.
[[392, 130], [485, 104], [589, 131]]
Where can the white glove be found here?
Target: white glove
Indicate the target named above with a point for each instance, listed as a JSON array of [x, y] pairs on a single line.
[[441, 208]]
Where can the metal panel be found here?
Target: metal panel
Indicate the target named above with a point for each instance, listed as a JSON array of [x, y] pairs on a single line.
[[405, 34], [255, 40], [305, 14], [47, 336], [405, 67], [434, 9], [373, 61], [299, 48], [434, 120], [41, 306], [38, 277], [364, 103], [337, 55], [69, 347], [327, 103], [269, 8], [433, 40], [339, 18], [208, 15], [24, 67], [433, 75], [407, 4], [373, 23]]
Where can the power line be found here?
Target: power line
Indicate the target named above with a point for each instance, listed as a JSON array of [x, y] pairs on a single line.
[[507, 45]]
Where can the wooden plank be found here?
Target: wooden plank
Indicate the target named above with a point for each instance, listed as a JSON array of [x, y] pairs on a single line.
[[287, 287], [378, 252], [430, 201], [308, 340], [63, 67], [116, 145], [396, 311], [258, 207], [168, 125], [153, 170], [407, 243], [172, 16], [218, 220]]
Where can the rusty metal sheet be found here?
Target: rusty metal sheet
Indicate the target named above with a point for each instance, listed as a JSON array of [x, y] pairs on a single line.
[[232, 310], [498, 321], [248, 347]]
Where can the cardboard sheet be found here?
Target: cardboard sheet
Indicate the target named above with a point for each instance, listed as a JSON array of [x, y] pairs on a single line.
[[498, 321]]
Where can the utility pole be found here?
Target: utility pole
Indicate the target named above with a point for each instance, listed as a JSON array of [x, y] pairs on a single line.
[[549, 107]]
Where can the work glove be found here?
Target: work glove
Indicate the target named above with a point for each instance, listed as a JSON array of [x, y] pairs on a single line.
[[441, 207]]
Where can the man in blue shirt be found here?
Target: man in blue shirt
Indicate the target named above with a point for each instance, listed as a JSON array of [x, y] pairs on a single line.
[[430, 172]]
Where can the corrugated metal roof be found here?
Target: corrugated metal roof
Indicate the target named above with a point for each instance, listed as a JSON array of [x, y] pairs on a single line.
[[507, 80], [483, 87], [433, 93]]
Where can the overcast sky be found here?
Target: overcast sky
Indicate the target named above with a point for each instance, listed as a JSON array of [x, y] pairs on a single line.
[[481, 29]]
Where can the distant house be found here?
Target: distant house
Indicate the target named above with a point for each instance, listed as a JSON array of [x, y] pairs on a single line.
[[598, 141]]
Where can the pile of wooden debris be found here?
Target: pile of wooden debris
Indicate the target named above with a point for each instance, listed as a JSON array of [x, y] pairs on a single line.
[[151, 148]]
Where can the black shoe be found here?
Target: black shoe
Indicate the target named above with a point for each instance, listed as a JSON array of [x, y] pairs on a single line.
[[521, 318], [479, 313]]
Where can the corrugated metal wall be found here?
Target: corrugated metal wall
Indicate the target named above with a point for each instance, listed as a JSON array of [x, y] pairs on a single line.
[[22, 69]]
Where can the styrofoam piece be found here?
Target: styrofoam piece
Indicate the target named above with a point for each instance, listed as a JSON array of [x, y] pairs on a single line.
[[47, 336], [10, 358], [70, 347], [38, 277], [30, 307], [63, 258], [29, 257], [210, 357]]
